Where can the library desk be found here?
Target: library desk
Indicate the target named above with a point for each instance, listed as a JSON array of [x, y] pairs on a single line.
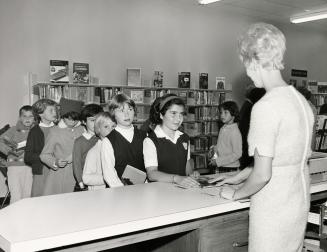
[[147, 217]]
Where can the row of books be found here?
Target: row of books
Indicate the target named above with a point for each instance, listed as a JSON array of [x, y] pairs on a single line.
[[59, 73], [318, 100], [105, 94], [203, 113], [201, 128], [202, 143]]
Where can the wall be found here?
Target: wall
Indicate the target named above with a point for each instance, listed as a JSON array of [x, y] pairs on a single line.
[[167, 35]]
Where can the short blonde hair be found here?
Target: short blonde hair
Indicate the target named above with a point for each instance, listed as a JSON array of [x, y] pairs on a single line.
[[100, 118], [264, 44]]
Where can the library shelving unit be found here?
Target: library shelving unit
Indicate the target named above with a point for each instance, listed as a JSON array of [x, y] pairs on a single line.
[[201, 121], [318, 99]]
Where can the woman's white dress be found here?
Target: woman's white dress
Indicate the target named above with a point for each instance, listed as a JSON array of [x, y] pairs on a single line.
[[281, 127]]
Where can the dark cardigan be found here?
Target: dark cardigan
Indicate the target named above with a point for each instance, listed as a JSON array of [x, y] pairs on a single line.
[[33, 149]]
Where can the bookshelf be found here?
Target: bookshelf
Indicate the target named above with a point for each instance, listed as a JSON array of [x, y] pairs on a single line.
[[318, 99], [201, 122]]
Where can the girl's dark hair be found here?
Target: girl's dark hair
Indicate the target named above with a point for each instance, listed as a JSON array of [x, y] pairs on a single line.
[[119, 100], [161, 105], [40, 106], [232, 107], [73, 115], [90, 110]]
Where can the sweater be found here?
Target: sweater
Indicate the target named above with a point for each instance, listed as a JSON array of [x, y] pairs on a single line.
[[15, 135]]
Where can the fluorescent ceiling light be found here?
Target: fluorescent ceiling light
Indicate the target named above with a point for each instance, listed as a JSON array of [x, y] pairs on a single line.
[[309, 16], [207, 1]]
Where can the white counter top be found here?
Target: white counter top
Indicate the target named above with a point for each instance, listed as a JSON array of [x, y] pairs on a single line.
[[52, 221]]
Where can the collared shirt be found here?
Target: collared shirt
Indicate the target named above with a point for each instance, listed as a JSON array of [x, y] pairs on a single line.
[[87, 135], [229, 146], [150, 150], [41, 124]]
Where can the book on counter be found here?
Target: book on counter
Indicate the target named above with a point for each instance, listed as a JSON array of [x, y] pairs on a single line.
[[59, 71], [158, 79], [81, 73], [203, 80], [184, 79], [134, 77]]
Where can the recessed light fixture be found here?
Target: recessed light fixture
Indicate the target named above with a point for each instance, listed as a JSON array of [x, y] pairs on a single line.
[[207, 1], [308, 16]]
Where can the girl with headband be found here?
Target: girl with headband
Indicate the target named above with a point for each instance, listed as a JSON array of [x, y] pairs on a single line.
[[166, 150]]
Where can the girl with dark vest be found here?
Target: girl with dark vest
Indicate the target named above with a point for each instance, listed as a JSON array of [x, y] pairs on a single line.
[[167, 150], [124, 145]]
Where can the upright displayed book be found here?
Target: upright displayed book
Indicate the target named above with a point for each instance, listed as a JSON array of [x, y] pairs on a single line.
[[203, 80], [134, 77], [184, 80], [59, 71], [81, 73], [220, 82], [158, 79]]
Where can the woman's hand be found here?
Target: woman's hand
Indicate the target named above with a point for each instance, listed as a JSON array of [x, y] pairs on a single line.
[[186, 182], [227, 193], [225, 179], [61, 163]]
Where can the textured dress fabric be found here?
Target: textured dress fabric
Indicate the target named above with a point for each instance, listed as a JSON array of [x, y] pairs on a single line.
[[281, 126]]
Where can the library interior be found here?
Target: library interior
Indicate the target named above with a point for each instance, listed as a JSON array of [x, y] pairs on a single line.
[[163, 125]]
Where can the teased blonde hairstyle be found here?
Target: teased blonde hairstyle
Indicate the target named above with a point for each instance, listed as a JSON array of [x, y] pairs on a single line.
[[264, 44], [100, 118]]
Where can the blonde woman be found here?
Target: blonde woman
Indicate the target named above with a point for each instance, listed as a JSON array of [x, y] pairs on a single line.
[[279, 139]]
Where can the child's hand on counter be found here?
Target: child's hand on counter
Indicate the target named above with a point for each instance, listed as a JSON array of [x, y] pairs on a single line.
[[227, 192], [186, 182]]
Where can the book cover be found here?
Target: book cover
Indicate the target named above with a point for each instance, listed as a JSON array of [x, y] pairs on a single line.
[[220, 82], [313, 86], [203, 80], [137, 96], [184, 79], [59, 71], [134, 175], [158, 79], [81, 73], [134, 77]]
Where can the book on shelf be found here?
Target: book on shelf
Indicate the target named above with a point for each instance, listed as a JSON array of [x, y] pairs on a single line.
[[59, 71], [134, 77], [148, 96], [184, 79], [220, 82], [293, 82], [81, 73], [183, 96], [312, 86], [203, 80], [158, 79], [200, 161], [322, 87], [137, 96], [191, 98]]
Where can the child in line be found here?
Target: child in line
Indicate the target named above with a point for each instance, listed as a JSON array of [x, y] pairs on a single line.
[[12, 144], [57, 154], [124, 145], [46, 113], [167, 150], [84, 143], [92, 173], [228, 150]]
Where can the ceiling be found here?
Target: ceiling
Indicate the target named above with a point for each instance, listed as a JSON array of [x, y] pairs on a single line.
[[276, 10]]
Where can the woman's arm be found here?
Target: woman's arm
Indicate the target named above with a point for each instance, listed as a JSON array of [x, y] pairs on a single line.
[[258, 178]]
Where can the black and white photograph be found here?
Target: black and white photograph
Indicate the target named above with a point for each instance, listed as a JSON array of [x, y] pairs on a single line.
[[163, 125]]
